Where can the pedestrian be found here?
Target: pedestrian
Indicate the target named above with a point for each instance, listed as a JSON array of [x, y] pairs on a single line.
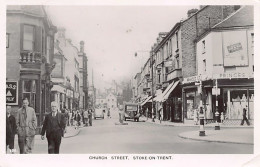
[[82, 116], [26, 122], [85, 117], [222, 117], [77, 118], [8, 132], [160, 114], [54, 125], [90, 117], [13, 126], [108, 113], [244, 118]]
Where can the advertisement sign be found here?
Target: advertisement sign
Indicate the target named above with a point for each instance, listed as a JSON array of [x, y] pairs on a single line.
[[233, 75], [196, 78], [12, 92], [235, 48]]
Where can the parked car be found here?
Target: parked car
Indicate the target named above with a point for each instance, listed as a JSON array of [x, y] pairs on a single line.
[[99, 113], [131, 111]]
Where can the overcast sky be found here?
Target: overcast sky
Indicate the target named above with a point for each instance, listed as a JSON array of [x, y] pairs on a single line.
[[112, 35]]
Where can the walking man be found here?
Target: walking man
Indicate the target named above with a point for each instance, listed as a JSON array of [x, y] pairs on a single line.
[[90, 117], [244, 117], [54, 125], [85, 115], [12, 124], [26, 124]]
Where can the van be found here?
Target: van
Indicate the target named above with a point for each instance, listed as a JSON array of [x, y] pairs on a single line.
[[131, 111]]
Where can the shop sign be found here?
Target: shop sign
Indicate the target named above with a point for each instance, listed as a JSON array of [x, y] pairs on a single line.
[[196, 78], [12, 92], [69, 93], [233, 75], [214, 91]]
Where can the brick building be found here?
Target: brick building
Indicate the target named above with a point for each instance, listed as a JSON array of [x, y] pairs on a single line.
[[29, 57]]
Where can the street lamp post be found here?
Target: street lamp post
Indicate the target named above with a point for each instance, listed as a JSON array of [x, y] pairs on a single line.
[[151, 59], [201, 111], [217, 127]]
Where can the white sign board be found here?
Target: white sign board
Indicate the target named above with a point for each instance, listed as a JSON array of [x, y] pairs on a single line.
[[235, 48]]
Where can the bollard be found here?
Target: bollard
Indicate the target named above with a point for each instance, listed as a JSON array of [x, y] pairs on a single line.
[[201, 117], [217, 127]]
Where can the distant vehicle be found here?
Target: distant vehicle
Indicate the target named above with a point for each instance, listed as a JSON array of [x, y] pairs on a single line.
[[131, 111], [99, 113]]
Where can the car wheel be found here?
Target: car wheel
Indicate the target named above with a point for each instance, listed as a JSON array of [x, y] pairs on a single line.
[[95, 118]]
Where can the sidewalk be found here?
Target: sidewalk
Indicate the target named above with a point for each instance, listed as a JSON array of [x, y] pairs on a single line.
[[229, 134], [238, 136], [189, 123]]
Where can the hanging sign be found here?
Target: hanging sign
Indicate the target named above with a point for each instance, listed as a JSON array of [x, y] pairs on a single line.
[[12, 92]]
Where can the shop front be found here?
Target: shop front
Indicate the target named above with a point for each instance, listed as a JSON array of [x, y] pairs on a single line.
[[235, 95], [230, 94]]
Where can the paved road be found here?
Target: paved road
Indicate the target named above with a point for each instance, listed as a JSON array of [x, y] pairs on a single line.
[[139, 137]]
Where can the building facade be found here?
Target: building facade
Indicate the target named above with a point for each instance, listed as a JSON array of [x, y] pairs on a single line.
[[29, 57], [225, 58], [83, 71], [71, 71]]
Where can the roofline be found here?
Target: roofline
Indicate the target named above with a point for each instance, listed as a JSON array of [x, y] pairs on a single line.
[[175, 27], [229, 16], [222, 29], [195, 13]]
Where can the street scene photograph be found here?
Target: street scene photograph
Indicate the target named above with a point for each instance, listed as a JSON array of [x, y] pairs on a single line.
[[129, 79]]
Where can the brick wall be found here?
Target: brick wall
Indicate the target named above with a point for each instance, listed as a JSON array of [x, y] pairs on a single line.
[[195, 26]]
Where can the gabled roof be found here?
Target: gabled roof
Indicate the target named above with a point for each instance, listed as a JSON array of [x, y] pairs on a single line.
[[241, 18], [35, 10]]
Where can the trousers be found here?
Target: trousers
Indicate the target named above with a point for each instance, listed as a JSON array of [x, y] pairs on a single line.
[[26, 144], [245, 119], [54, 140]]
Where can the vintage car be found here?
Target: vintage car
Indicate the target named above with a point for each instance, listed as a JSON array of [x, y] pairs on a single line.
[[99, 113], [131, 111]]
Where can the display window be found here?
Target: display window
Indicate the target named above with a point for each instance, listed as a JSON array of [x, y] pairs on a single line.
[[235, 100], [29, 91], [192, 103]]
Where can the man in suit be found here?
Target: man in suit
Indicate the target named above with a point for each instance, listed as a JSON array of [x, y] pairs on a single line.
[[26, 122], [54, 125], [12, 124]]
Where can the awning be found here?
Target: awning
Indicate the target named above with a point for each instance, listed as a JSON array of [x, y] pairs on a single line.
[[146, 100], [159, 98], [166, 95], [162, 97]]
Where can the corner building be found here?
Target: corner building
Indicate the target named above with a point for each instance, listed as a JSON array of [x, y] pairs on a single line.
[[29, 56]]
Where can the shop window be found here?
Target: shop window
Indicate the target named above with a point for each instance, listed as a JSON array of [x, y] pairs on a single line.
[[236, 100], [28, 37], [29, 91]]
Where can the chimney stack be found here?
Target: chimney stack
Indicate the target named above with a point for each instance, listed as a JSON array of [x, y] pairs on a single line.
[[82, 46], [191, 12]]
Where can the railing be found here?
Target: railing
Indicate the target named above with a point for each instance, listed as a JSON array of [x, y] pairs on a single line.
[[32, 57]]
